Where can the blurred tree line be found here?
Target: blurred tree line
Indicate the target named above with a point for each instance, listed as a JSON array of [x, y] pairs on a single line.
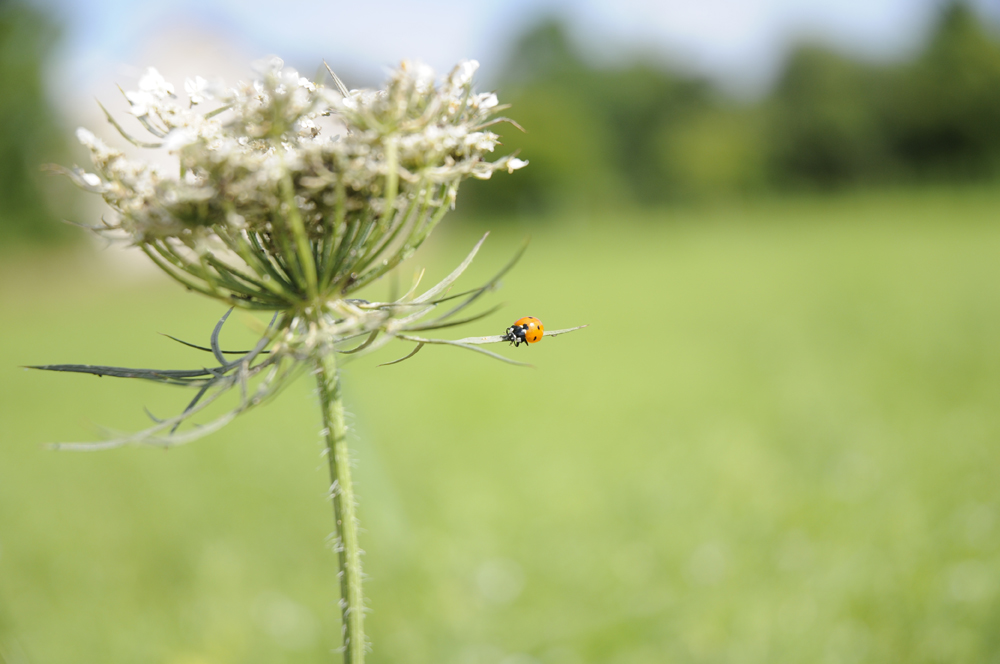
[[30, 134], [643, 133], [640, 133]]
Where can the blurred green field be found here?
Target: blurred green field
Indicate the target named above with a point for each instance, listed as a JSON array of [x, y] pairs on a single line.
[[777, 442]]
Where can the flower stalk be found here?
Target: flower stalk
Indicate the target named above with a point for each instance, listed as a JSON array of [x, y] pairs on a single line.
[[344, 509]]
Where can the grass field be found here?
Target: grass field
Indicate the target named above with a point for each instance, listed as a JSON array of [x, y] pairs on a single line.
[[779, 441]]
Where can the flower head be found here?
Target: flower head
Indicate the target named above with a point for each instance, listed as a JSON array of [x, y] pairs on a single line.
[[331, 188]]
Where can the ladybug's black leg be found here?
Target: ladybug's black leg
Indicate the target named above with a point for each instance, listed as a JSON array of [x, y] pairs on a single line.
[[515, 335]]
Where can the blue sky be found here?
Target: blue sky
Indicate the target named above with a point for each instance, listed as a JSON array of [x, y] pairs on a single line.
[[740, 42]]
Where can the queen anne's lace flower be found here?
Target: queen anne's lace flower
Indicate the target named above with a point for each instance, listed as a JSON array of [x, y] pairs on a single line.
[[289, 196], [331, 188]]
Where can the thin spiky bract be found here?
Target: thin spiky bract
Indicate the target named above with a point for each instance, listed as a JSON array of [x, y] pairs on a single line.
[[288, 194], [351, 328]]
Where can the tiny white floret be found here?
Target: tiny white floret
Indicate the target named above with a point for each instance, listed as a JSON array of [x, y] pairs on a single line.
[[154, 83], [198, 90], [514, 164], [463, 72]]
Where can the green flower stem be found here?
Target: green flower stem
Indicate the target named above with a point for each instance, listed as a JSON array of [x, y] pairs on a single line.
[[305, 255], [391, 179], [342, 492]]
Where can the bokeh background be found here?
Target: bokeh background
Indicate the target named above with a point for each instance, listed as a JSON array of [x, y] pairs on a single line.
[[776, 442]]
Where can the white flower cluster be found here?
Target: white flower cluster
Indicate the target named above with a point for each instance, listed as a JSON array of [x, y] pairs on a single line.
[[280, 160]]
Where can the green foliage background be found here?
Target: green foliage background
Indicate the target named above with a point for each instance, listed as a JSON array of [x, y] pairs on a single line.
[[775, 443], [30, 133]]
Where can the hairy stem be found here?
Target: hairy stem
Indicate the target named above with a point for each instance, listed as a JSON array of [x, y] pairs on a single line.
[[344, 510]]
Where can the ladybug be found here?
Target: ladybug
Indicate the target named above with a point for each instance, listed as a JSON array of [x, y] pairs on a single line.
[[527, 330]]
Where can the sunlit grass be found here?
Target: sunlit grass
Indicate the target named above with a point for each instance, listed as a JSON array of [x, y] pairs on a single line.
[[775, 443]]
